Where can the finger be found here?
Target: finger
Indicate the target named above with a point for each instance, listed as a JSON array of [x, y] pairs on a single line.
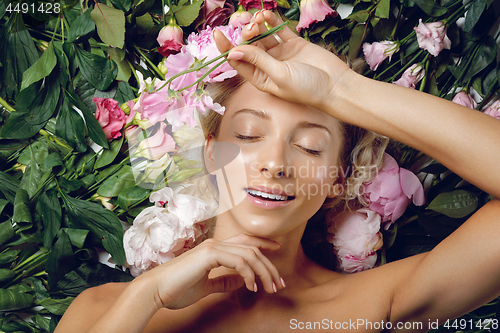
[[256, 66], [234, 261], [226, 283], [268, 42], [274, 20], [222, 43], [260, 265]]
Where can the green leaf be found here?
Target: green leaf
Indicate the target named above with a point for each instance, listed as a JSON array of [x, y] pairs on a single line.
[[473, 14], [185, 15], [49, 210], [8, 186], [56, 306], [109, 155], [21, 208], [17, 126], [81, 28], [383, 9], [124, 93], [121, 180], [124, 71], [122, 4], [45, 102], [356, 40], [110, 24], [95, 130], [8, 256], [6, 232], [132, 195], [99, 71], [144, 23], [17, 53], [11, 300], [60, 260], [456, 204], [3, 203], [77, 237], [70, 127], [6, 275], [37, 148], [484, 56], [101, 222], [431, 8], [41, 68], [52, 161]]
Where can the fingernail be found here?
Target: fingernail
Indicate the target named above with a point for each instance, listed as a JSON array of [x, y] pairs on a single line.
[[256, 13], [255, 287], [235, 55], [250, 26], [274, 287], [278, 243], [282, 282]]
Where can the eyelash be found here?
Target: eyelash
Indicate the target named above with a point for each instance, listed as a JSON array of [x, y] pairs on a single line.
[[309, 151]]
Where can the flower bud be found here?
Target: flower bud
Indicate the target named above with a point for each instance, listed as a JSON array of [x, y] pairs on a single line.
[[464, 99], [170, 39], [493, 110], [240, 18], [432, 37], [377, 52], [411, 76]]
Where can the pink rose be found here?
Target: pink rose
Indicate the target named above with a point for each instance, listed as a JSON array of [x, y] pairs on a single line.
[[170, 39], [464, 99], [377, 52], [312, 11], [494, 109], [240, 18], [268, 4], [110, 116], [432, 37], [356, 238], [157, 145], [411, 77], [390, 192], [212, 4]]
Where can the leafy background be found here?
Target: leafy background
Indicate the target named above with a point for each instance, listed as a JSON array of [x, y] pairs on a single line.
[[51, 66]]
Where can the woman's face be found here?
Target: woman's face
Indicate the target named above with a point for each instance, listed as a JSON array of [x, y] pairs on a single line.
[[289, 150]]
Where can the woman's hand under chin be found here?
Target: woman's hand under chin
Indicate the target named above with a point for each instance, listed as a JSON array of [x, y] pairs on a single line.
[[184, 280], [297, 70]]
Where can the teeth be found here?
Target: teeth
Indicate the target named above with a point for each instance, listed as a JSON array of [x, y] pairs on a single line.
[[267, 195]]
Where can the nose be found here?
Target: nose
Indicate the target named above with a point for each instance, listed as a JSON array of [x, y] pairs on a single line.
[[273, 161]]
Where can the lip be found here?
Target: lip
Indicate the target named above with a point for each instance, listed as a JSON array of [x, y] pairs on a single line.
[[270, 191], [267, 204]]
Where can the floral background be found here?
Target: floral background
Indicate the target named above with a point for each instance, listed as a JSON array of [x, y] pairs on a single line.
[[99, 132]]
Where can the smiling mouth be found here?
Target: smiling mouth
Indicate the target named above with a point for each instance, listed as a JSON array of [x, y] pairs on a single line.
[[268, 196]]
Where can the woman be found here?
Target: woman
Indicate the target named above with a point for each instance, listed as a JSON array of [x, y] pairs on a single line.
[[253, 274]]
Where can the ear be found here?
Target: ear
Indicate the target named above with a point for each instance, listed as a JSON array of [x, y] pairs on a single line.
[[208, 154]]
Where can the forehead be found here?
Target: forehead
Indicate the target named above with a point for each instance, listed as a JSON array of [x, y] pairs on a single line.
[[279, 110]]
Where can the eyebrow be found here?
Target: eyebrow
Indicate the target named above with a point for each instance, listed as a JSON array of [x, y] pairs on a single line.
[[266, 116]]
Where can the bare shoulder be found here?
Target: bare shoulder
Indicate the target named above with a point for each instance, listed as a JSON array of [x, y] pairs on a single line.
[[89, 306]]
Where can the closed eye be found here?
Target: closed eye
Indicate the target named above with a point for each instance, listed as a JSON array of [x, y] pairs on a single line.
[[311, 151], [246, 137]]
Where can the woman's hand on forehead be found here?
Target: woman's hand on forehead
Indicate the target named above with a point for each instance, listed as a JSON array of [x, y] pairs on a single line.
[[295, 70]]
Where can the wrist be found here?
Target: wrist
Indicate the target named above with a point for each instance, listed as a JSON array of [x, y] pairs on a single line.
[[145, 290]]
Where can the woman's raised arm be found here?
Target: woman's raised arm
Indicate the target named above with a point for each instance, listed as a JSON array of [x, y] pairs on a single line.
[[462, 139]]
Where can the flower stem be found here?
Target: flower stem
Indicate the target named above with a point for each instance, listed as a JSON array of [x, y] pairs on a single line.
[[406, 66], [150, 63], [6, 105], [424, 79]]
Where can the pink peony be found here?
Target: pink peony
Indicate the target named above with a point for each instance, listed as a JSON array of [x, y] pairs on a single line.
[[157, 145], [493, 110], [268, 4], [170, 39], [174, 225], [356, 238], [411, 77], [110, 116], [432, 37], [312, 11], [377, 52], [240, 18], [464, 99], [390, 192]]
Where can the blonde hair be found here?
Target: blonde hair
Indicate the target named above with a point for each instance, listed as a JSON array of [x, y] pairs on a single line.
[[360, 158]]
